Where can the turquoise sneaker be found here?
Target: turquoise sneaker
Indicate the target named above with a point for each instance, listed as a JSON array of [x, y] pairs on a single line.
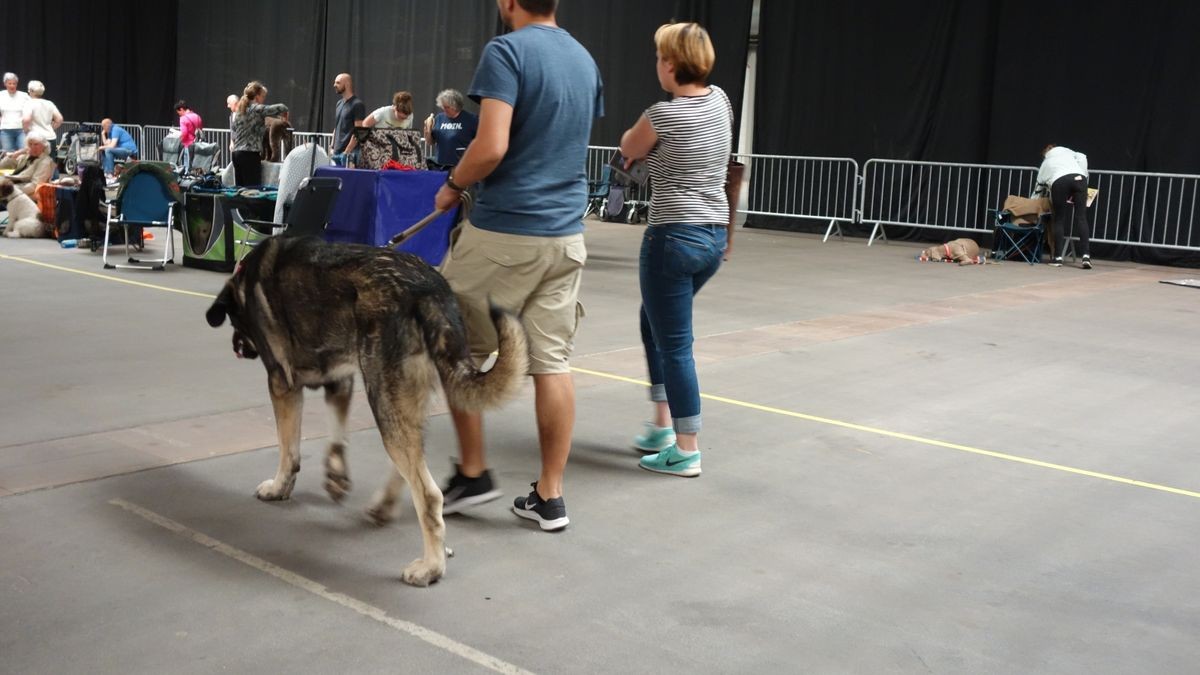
[[671, 462], [656, 439]]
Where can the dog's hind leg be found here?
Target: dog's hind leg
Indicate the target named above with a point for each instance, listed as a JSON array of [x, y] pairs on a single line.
[[399, 401], [337, 474], [383, 505], [288, 405]]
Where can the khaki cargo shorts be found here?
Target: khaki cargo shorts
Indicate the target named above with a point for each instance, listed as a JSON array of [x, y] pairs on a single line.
[[536, 277]]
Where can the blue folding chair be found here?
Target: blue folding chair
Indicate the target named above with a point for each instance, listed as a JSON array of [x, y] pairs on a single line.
[[1011, 241], [144, 201]]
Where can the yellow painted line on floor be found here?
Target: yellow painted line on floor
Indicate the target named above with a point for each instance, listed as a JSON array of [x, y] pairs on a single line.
[[304, 583], [915, 439], [744, 404], [106, 277]]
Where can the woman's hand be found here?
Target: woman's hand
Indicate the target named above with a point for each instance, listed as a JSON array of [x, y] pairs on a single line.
[[727, 252]]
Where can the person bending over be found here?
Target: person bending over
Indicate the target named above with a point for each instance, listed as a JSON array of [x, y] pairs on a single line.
[[1064, 173], [115, 143]]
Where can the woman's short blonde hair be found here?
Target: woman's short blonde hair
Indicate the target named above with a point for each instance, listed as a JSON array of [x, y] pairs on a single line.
[[688, 48]]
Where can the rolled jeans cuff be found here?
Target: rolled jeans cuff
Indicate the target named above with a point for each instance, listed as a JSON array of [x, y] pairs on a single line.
[[687, 425], [658, 393]]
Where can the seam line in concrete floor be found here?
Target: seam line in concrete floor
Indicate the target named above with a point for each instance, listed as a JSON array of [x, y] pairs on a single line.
[[771, 338], [287, 576]]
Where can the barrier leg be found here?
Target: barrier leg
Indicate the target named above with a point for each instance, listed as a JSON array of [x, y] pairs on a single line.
[[877, 230], [833, 225]]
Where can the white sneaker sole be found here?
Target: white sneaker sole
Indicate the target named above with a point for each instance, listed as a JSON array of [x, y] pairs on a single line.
[[468, 502], [652, 451], [690, 472], [546, 525]]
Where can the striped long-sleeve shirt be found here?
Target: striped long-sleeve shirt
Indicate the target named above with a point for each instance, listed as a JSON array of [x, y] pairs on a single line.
[[250, 126], [687, 167]]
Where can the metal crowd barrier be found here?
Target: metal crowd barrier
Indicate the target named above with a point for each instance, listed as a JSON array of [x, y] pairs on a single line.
[[1145, 209], [822, 188], [153, 136], [937, 195], [597, 160]]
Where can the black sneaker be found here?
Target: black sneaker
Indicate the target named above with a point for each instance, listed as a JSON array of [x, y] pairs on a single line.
[[1087, 262], [463, 492], [551, 515], [1057, 262]]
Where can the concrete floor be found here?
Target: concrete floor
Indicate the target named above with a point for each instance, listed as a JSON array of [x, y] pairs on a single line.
[[908, 468]]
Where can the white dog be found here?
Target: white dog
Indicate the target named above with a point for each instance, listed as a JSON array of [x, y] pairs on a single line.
[[23, 218]]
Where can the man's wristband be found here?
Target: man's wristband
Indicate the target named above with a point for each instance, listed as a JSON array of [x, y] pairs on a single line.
[[452, 185]]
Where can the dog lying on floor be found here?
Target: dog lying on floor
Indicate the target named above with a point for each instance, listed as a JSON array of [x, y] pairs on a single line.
[[23, 220], [961, 251], [316, 313]]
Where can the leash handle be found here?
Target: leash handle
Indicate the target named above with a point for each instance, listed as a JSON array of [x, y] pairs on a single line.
[[466, 201], [417, 227]]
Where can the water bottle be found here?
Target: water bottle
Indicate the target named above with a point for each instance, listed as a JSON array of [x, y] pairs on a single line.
[[69, 243]]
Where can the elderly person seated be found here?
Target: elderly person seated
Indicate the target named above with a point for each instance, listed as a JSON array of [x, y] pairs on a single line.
[[115, 143], [31, 166]]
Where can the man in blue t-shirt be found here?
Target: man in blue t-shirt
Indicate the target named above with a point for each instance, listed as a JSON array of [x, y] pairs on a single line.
[[538, 91], [115, 143], [450, 131]]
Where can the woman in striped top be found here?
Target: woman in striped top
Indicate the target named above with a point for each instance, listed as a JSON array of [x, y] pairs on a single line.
[[686, 142], [249, 126]]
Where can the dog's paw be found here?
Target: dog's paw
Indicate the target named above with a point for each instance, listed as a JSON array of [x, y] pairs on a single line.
[[381, 512], [337, 486], [272, 491], [422, 573]]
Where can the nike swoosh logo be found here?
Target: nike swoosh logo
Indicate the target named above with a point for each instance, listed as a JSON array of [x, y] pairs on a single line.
[[679, 461], [529, 504]]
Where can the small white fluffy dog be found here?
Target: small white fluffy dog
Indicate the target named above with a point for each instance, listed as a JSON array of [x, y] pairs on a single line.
[[22, 213]]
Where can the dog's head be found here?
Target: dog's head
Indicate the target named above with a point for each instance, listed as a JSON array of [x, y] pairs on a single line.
[[933, 254], [230, 303]]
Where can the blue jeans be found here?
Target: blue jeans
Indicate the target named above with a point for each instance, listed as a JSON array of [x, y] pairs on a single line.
[[12, 140], [677, 259], [110, 157]]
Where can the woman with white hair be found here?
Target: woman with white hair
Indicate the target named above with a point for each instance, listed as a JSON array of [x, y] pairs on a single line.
[[13, 106], [31, 166], [43, 116], [452, 130]]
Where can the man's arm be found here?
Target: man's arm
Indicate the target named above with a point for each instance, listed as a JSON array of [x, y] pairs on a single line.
[[483, 155]]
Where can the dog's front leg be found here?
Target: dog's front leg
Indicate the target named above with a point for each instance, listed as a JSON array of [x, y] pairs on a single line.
[[288, 404], [337, 474]]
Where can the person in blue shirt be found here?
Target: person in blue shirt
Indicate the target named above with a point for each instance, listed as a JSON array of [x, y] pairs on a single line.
[[115, 143], [450, 131], [538, 91]]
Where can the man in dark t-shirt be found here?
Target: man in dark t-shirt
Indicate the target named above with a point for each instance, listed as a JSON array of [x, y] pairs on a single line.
[[349, 113]]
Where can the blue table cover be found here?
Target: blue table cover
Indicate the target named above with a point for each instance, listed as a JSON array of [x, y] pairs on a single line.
[[374, 206]]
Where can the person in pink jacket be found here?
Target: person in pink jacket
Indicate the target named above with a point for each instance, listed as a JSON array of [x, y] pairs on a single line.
[[190, 125]]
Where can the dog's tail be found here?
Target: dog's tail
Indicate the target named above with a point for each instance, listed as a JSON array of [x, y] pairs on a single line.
[[468, 388]]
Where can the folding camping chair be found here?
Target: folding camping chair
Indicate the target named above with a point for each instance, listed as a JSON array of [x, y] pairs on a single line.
[[598, 192], [308, 215], [1013, 241], [145, 200]]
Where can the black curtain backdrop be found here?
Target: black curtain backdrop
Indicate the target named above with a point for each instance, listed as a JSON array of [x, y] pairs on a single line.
[[981, 81], [297, 47], [96, 59], [620, 37]]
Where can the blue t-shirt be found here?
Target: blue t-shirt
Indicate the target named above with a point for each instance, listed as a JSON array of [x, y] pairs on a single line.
[[122, 137], [451, 134], [554, 87]]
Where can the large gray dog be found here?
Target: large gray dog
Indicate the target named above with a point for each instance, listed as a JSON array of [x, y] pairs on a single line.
[[316, 313]]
